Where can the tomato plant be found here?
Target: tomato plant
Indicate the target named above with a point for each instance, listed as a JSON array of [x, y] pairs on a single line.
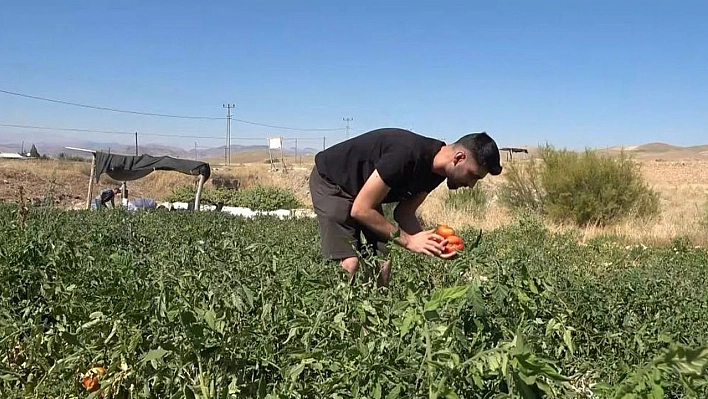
[[202, 304]]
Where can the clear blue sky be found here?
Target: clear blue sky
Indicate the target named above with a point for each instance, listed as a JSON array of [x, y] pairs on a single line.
[[571, 73]]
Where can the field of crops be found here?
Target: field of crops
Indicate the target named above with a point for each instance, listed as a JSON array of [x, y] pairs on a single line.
[[204, 305]]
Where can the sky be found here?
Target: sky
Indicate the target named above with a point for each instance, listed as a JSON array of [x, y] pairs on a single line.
[[574, 74]]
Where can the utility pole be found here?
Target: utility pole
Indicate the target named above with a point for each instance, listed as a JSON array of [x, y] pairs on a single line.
[[136, 144], [228, 131], [347, 131], [195, 151]]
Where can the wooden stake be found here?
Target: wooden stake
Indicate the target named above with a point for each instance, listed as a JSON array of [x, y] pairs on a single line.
[[198, 197], [90, 187]]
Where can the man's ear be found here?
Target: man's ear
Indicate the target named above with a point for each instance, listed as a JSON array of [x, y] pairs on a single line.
[[459, 156]]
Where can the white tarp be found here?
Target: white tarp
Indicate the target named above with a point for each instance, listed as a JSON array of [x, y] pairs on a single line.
[[275, 143]]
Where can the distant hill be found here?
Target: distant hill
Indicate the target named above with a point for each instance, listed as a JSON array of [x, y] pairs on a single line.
[[664, 151], [656, 147], [239, 153]]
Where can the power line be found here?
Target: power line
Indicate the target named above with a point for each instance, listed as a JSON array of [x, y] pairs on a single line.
[[289, 128], [105, 108], [118, 132], [13, 93]]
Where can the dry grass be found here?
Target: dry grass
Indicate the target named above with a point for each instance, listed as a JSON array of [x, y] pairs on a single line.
[[682, 186]]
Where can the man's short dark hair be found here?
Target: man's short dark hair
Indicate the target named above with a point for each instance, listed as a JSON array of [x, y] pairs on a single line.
[[484, 150]]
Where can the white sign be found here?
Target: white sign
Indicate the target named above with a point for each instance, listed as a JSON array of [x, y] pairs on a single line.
[[275, 143]]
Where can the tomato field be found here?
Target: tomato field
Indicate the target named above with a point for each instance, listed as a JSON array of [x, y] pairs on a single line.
[[206, 305]]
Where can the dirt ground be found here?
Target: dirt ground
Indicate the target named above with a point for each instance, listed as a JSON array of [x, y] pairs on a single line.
[[681, 178], [66, 183]]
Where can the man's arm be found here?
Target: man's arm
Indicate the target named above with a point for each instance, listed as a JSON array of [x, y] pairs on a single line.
[[405, 215], [364, 210]]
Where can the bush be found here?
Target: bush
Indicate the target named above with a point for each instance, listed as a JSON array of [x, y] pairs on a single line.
[[582, 188], [468, 199], [266, 198]]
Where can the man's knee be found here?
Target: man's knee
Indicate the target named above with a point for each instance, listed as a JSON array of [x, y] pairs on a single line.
[[350, 264]]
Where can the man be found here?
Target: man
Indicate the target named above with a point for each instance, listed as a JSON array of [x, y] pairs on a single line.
[[351, 181], [106, 195]]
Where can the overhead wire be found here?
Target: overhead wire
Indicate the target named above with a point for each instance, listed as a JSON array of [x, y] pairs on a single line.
[[118, 132], [13, 93]]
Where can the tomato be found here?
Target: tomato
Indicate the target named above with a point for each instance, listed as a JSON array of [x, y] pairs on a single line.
[[90, 380], [454, 245], [445, 231]]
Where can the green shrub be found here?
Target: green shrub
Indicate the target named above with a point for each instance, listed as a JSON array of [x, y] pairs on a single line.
[[266, 198], [522, 189], [582, 188], [468, 199]]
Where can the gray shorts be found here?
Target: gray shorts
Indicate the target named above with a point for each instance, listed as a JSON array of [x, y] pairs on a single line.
[[340, 234]]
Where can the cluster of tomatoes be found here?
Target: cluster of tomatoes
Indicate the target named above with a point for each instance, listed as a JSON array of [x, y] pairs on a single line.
[[454, 242]]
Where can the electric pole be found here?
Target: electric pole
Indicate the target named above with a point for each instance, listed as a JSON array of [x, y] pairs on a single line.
[[347, 130], [136, 144], [228, 131], [195, 151]]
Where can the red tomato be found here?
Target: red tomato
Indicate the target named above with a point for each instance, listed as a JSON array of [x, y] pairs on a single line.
[[454, 244], [445, 231], [90, 380]]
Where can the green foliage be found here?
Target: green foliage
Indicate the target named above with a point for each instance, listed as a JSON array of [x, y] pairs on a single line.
[[583, 189], [468, 199], [212, 306], [33, 152], [73, 158], [267, 198]]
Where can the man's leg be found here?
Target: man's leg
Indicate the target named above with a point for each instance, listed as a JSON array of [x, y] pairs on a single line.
[[378, 247], [339, 234]]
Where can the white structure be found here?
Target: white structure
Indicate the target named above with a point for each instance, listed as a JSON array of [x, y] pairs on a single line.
[[12, 155], [275, 144]]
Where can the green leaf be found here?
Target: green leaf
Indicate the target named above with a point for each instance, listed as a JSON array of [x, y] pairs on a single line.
[[377, 391], [444, 295], [210, 318], [154, 354], [70, 338], [568, 340], [395, 392], [407, 322], [296, 370], [657, 392]]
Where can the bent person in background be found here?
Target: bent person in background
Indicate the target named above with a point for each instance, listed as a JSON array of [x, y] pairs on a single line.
[[351, 181], [107, 195]]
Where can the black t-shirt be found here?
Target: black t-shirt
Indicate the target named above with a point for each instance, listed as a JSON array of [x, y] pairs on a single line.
[[107, 195], [404, 160]]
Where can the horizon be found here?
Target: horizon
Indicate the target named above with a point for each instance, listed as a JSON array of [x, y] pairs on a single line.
[[586, 75]]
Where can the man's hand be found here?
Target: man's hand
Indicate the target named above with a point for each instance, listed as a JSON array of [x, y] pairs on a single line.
[[426, 242], [364, 210]]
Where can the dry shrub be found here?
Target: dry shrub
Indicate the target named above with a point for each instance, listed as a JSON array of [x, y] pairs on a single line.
[[581, 188]]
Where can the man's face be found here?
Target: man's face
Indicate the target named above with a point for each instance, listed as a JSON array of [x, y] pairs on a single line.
[[464, 171]]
